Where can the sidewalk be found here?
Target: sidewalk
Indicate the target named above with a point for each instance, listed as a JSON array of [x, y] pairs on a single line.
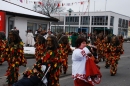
[[4, 83]]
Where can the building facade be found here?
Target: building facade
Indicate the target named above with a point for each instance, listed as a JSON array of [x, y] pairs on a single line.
[[106, 21], [21, 18]]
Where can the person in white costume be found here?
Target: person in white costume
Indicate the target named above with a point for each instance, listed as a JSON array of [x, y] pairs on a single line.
[[78, 63], [30, 39]]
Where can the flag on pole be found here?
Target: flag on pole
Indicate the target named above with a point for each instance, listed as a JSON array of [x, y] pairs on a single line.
[[21, 1]]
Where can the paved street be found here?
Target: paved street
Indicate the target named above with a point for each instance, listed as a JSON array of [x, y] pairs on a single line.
[[122, 77]]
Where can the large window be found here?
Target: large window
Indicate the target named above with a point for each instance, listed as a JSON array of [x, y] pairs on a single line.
[[99, 20], [111, 21], [71, 29], [35, 26], [120, 22], [32, 26], [58, 29], [72, 19], [123, 23], [44, 26], [126, 24], [85, 20]]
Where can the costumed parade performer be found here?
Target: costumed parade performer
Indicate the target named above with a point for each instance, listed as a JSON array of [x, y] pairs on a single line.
[[52, 56], [115, 55], [39, 47], [14, 56], [99, 44], [2, 46], [107, 51], [65, 48]]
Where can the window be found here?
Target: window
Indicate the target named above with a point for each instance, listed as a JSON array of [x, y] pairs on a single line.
[[35, 26], [72, 29], [44, 26], [119, 22], [126, 25], [99, 20], [72, 19], [111, 21], [85, 20], [31, 26], [58, 29]]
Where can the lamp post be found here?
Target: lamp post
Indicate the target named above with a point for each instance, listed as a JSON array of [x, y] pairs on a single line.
[[70, 11]]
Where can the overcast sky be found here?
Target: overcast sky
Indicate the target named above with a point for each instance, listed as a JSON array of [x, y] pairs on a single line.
[[119, 6]]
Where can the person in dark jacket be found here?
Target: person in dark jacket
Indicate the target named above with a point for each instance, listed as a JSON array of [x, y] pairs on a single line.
[[31, 77]]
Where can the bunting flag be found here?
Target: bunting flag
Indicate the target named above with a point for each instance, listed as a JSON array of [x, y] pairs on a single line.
[[56, 4], [21, 1]]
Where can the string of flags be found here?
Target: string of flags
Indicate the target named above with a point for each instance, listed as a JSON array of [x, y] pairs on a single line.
[[59, 4], [80, 13]]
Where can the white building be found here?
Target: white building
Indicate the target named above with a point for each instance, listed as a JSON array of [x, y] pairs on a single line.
[[21, 18], [88, 22]]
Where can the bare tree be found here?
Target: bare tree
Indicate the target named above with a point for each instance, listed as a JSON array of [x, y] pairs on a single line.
[[48, 6]]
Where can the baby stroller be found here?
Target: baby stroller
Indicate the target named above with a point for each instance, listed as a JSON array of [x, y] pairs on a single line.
[[35, 80], [45, 69]]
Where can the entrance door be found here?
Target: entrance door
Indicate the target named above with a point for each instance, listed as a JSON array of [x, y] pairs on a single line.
[[11, 24]]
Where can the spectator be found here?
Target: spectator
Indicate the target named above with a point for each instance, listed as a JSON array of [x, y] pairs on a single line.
[[30, 39]]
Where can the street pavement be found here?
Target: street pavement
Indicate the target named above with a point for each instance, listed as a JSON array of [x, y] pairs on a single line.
[[122, 78]]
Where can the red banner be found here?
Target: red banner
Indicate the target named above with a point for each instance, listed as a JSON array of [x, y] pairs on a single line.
[[2, 21]]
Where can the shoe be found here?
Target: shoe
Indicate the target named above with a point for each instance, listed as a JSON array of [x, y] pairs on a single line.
[[107, 66], [112, 74], [0, 63], [64, 72]]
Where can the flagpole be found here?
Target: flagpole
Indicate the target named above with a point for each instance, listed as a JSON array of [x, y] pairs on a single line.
[[105, 17], [82, 17], [88, 18], [93, 17]]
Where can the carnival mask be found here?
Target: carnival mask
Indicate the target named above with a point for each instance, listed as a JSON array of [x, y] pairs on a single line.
[[11, 37], [49, 42]]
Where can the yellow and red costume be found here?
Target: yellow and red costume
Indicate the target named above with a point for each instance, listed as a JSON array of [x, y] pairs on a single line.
[[2, 49], [39, 50], [53, 57], [114, 57], [65, 48], [14, 55], [100, 49], [107, 54]]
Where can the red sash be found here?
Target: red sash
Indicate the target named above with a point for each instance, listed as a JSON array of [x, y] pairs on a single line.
[[92, 71]]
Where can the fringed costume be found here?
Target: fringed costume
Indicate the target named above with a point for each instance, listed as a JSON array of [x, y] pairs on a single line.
[[66, 49], [107, 54], [115, 55], [39, 50], [2, 46], [100, 49], [14, 55], [2, 49], [39, 47], [52, 56]]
